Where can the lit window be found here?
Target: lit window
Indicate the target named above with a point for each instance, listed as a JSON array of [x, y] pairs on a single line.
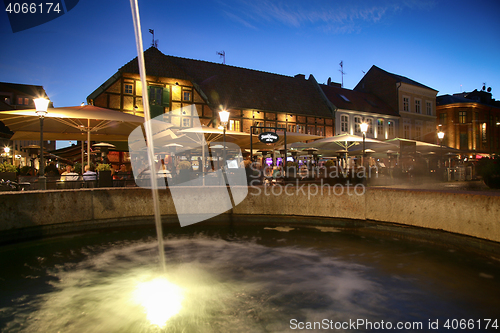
[[357, 124], [369, 121], [462, 117], [234, 125], [380, 128], [128, 89], [344, 123], [20, 101], [483, 134]]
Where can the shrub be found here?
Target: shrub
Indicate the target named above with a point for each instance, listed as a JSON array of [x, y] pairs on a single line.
[[24, 171], [103, 167], [7, 167], [78, 168], [329, 163], [184, 165]]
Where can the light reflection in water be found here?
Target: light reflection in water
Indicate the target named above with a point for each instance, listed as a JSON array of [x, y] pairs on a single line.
[[237, 285], [160, 298]]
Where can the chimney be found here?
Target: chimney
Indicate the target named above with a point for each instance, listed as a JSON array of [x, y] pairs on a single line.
[[300, 76]]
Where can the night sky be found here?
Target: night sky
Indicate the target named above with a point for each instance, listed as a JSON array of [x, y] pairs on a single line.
[[450, 46]]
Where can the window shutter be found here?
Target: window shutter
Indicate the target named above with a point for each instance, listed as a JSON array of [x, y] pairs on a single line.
[[154, 108], [166, 97]]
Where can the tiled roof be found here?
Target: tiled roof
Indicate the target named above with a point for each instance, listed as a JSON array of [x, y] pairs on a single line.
[[400, 78], [157, 64], [236, 87], [357, 101]]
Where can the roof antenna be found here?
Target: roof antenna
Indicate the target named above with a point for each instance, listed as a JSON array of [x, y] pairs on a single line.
[[154, 43], [222, 54], [341, 70]]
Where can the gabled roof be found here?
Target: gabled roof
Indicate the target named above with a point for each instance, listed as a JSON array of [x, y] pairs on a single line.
[[236, 87], [357, 101], [157, 64], [400, 78]]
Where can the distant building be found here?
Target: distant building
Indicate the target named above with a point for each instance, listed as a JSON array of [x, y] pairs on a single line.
[[414, 102], [253, 97], [15, 96], [355, 107], [470, 121]]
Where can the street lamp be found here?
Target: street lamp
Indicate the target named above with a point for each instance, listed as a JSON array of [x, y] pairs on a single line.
[[6, 151], [364, 129], [41, 105], [224, 119], [441, 137]]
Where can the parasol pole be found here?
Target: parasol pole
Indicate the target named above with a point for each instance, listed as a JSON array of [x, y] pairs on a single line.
[[88, 142]]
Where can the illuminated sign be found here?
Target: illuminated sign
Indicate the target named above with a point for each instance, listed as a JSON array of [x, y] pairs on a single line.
[[268, 137]]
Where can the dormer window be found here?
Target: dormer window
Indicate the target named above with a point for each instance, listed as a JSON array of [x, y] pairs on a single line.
[[344, 98]]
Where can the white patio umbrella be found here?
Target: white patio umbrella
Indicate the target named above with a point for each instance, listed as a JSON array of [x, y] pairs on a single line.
[[72, 123], [343, 140]]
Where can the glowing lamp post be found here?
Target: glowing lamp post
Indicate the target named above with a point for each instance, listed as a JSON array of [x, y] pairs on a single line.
[[364, 129], [6, 151], [441, 137], [224, 119], [41, 105]]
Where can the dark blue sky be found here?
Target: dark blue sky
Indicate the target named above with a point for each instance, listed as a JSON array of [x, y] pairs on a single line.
[[447, 45]]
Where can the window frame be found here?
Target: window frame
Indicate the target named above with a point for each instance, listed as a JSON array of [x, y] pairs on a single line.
[[125, 90], [428, 108], [357, 124], [380, 127], [406, 103], [462, 117], [418, 105], [344, 120]]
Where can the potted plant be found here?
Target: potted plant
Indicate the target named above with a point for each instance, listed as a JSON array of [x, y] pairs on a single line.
[[104, 178], [8, 172], [489, 170]]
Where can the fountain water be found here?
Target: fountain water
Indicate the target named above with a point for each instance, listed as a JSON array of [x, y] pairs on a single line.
[[247, 278]]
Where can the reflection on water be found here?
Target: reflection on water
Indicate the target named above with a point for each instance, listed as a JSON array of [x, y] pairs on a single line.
[[254, 281]]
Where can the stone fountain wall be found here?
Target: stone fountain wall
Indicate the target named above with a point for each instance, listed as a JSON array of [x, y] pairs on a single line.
[[466, 213]]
